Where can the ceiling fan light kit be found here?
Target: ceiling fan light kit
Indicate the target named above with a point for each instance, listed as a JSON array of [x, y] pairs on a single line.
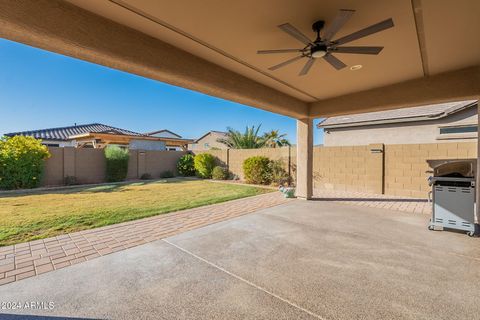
[[323, 46]]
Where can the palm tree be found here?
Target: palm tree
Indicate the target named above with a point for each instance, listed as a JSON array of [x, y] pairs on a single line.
[[247, 140], [273, 139]]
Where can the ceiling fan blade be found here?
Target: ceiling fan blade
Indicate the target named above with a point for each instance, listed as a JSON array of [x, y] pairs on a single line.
[[336, 63], [294, 32], [366, 32], [278, 51], [307, 67], [358, 50], [275, 67], [342, 17]]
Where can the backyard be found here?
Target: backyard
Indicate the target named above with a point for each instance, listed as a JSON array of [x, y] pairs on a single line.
[[40, 214]]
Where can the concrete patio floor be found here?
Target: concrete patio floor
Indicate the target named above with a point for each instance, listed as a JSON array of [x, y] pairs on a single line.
[[299, 260]]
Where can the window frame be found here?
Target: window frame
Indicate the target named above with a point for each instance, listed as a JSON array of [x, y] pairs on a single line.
[[457, 135]]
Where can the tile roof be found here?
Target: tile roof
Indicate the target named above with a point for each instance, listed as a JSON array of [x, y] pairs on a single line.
[[427, 112], [62, 133]]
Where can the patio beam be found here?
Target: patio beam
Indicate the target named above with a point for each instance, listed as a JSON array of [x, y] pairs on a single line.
[[456, 85], [63, 28]]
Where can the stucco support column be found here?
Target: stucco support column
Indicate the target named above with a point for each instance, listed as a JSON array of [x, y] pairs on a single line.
[[304, 187], [477, 182]]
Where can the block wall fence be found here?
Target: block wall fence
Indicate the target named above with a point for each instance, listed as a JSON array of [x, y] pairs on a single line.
[[399, 170], [88, 165]]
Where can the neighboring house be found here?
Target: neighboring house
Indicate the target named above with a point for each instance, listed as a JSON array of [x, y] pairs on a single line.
[[208, 141], [445, 122], [97, 135], [164, 133]]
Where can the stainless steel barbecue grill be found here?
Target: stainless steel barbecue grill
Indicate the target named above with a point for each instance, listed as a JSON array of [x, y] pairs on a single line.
[[453, 195]]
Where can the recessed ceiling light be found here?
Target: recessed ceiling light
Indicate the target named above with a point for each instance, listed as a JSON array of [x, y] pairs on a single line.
[[356, 67]]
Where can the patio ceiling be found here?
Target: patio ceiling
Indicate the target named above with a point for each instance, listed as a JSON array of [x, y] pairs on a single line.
[[431, 55]]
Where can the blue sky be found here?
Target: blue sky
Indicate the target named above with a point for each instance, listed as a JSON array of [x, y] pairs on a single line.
[[40, 89]]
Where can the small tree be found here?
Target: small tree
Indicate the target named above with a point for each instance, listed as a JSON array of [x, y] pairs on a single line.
[[274, 139], [250, 139], [186, 165], [257, 170], [204, 164], [21, 162], [279, 175], [117, 163], [219, 173]]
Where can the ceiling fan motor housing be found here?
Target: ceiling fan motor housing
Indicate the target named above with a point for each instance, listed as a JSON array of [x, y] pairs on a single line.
[[318, 25], [318, 49]]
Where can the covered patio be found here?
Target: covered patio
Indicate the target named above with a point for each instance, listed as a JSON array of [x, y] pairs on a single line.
[[303, 259], [298, 260]]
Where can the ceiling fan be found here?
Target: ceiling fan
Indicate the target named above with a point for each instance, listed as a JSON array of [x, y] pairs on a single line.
[[323, 46]]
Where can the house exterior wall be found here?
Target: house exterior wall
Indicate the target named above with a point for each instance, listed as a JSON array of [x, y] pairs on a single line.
[[147, 145], [208, 142], [401, 133], [165, 134], [60, 143]]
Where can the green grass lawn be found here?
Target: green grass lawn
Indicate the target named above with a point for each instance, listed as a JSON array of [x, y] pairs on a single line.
[[36, 215]]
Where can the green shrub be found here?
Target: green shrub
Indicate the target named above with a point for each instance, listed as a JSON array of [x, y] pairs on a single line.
[[166, 174], [117, 163], [21, 162], [146, 176], [219, 173], [70, 181], [279, 175], [186, 165], [204, 164], [257, 170]]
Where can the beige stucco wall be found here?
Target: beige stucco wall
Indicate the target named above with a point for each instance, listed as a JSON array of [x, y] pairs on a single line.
[[88, 165], [399, 170], [208, 142], [238, 156], [53, 169], [406, 166], [399, 133], [340, 168], [354, 168], [233, 158]]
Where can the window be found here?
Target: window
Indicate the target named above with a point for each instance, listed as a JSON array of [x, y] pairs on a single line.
[[459, 129], [206, 145], [51, 144], [465, 131]]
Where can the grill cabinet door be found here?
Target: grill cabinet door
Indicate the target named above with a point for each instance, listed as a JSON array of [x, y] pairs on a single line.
[[454, 207]]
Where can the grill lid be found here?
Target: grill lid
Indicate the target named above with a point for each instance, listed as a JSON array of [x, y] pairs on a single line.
[[464, 168]]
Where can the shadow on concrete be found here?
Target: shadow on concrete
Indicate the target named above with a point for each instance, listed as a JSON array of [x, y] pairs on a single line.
[[4, 316]]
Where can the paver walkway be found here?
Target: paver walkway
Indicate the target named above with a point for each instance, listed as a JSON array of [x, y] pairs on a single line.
[[36, 257], [405, 204]]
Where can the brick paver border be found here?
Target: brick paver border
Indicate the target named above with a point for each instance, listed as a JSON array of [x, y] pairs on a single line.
[[28, 259]]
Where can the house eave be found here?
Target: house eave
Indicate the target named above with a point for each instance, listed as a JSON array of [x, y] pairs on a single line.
[[398, 120]]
